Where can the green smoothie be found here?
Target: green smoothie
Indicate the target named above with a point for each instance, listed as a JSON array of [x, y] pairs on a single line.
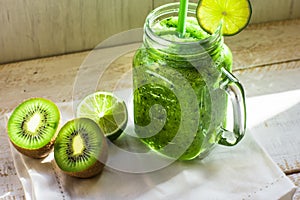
[[178, 106]]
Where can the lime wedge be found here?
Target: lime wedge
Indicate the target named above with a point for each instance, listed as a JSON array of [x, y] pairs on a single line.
[[108, 111], [233, 14]]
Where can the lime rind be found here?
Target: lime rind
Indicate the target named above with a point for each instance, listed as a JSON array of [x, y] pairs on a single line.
[[235, 15]]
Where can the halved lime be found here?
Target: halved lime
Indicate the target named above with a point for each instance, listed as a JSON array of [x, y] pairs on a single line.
[[233, 14], [107, 110]]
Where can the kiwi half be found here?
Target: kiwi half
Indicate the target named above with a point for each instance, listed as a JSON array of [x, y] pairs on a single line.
[[32, 127], [80, 149]]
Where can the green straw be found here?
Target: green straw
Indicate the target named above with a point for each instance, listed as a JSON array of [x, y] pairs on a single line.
[[182, 17]]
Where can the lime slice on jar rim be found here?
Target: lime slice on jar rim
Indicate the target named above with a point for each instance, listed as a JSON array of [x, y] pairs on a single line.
[[234, 15], [107, 110]]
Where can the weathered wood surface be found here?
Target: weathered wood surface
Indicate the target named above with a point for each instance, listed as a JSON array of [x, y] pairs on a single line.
[[33, 29], [267, 44], [54, 78]]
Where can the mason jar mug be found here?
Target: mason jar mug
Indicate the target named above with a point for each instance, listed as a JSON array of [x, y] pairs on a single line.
[[182, 86]]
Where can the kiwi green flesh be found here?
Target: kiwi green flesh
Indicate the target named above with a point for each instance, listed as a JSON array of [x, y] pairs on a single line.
[[91, 171], [80, 148], [33, 125]]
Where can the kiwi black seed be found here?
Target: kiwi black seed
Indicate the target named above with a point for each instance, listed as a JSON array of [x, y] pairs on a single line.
[[80, 149], [32, 127]]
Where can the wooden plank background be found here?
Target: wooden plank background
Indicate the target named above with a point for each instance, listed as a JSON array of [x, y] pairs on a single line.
[[34, 29], [31, 29]]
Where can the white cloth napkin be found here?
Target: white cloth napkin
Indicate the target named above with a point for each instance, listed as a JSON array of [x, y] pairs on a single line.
[[244, 171]]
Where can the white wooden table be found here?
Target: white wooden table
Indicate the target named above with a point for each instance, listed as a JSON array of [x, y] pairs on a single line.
[[266, 60]]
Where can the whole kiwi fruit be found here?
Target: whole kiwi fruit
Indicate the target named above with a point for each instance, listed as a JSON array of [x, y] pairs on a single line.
[[80, 149], [32, 127]]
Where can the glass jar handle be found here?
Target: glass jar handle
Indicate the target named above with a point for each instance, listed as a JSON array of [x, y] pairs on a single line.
[[235, 90]]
